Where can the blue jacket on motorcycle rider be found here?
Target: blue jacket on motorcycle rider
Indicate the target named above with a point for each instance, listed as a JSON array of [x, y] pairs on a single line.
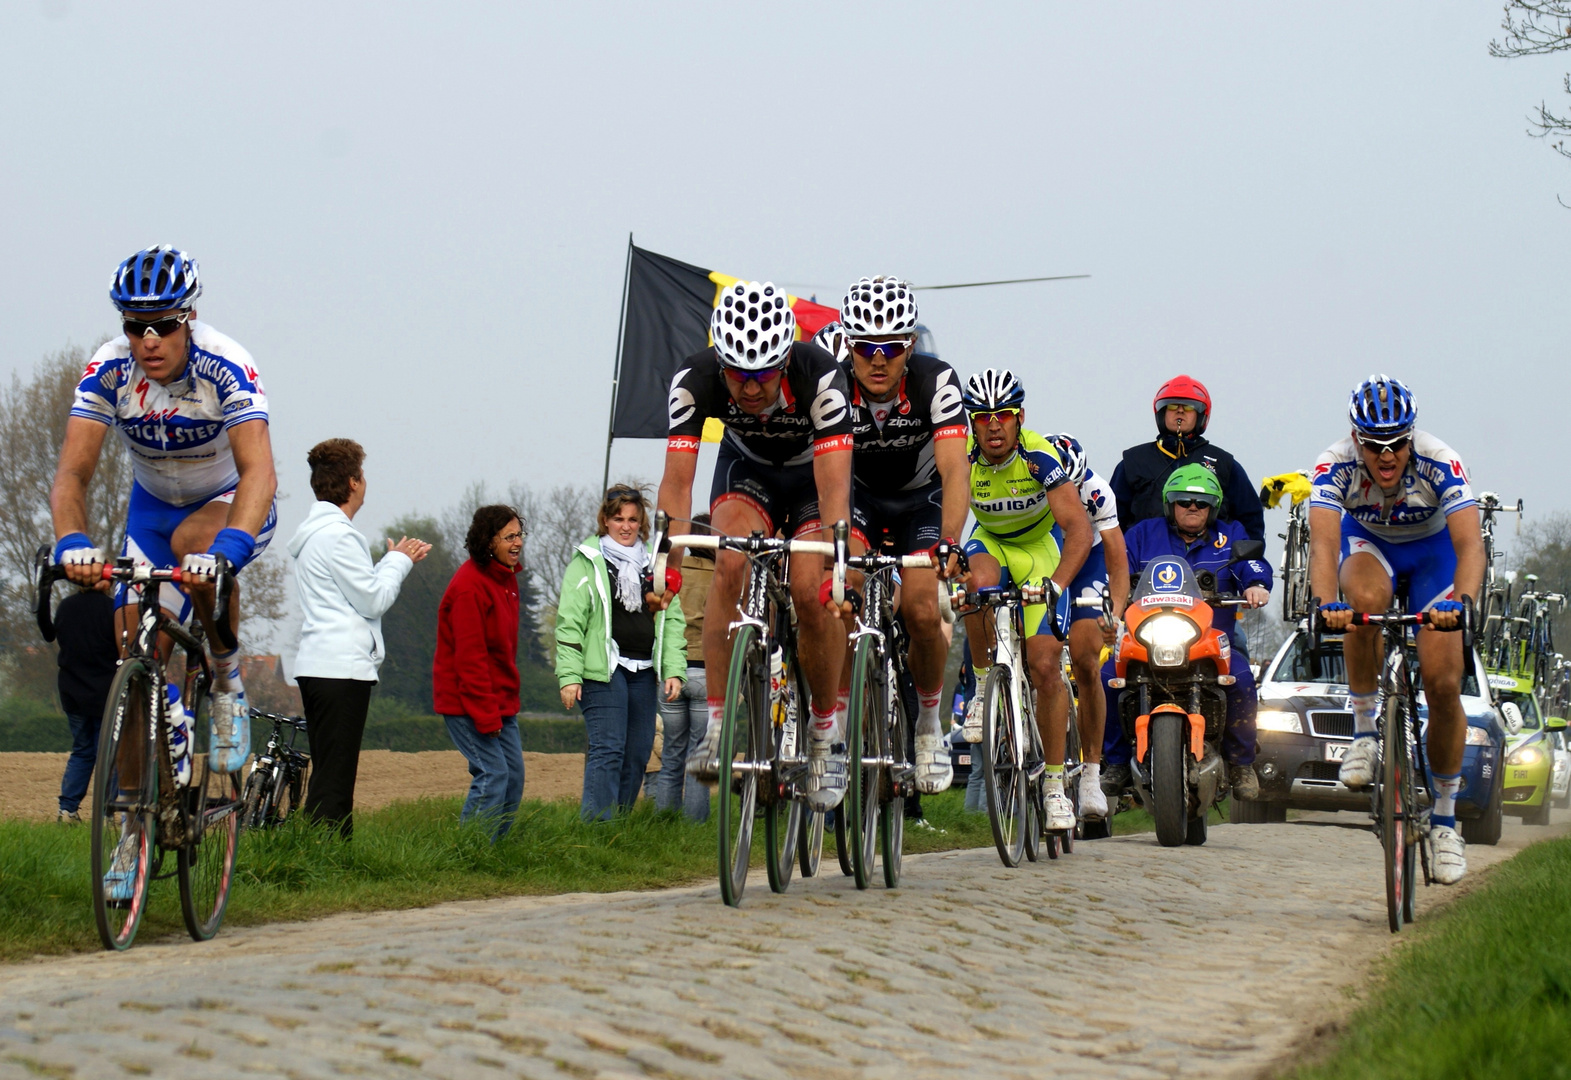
[[1152, 539]]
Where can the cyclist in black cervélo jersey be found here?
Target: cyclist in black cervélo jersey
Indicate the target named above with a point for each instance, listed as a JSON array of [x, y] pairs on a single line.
[[784, 466], [910, 477]]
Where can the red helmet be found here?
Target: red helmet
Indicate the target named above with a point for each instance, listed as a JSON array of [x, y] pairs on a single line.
[[1182, 390]]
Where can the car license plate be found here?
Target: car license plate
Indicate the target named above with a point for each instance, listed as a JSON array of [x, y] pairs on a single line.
[[1336, 751], [962, 759]]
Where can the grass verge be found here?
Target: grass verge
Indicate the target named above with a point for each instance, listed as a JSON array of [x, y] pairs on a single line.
[[1481, 988], [407, 855]]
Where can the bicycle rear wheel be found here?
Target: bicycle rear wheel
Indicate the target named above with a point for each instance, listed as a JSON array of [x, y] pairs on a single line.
[[125, 803], [741, 758], [842, 841], [810, 844], [1074, 765], [891, 806], [782, 813], [1003, 768], [205, 863], [864, 726]]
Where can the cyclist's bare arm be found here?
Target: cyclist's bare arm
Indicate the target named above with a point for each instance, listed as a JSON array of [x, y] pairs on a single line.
[[1467, 538], [253, 450], [1116, 553], [84, 442], [832, 473], [954, 471], [1070, 513], [676, 499], [1325, 544]]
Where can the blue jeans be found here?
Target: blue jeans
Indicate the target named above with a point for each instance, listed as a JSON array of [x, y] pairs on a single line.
[[496, 762], [620, 717], [79, 766], [685, 720]]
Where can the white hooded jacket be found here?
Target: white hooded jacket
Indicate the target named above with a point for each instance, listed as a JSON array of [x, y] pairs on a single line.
[[343, 595]]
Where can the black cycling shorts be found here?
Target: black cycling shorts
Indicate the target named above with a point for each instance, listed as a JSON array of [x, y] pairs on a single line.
[[785, 496], [911, 521]]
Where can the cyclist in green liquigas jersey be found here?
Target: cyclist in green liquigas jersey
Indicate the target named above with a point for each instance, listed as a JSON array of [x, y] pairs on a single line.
[[1019, 490]]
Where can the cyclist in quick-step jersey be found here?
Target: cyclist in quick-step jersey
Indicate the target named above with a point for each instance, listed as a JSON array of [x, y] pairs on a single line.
[[190, 409], [1392, 503], [909, 473], [784, 465], [1019, 492]]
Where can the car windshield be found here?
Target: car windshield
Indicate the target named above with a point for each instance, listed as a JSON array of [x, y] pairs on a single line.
[[1531, 720], [1297, 666]]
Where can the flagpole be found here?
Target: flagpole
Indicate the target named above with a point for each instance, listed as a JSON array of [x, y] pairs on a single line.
[[616, 370]]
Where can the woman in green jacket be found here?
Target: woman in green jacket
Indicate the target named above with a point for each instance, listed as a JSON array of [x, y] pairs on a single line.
[[613, 653]]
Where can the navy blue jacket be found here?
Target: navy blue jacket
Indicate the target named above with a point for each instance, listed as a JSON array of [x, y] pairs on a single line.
[[1137, 481], [1154, 537]]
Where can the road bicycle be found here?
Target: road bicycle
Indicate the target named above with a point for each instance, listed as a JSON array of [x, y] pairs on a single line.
[[763, 737], [139, 811], [276, 786], [1497, 629], [1536, 612], [878, 731], [1295, 554], [1399, 797]]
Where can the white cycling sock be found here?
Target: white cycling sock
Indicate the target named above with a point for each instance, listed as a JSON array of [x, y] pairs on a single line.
[[1363, 714], [226, 673], [981, 677], [1445, 788], [927, 711], [1091, 772], [826, 727], [716, 713], [1053, 780]]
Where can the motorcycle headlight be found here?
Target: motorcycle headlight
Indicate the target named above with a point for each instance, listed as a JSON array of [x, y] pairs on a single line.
[[1167, 639], [1477, 736], [1525, 755], [1279, 720]]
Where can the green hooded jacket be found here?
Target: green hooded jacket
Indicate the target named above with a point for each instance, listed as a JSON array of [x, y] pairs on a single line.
[[583, 625]]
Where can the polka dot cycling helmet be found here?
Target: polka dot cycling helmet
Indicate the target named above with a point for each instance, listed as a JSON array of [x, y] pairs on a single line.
[[878, 307], [832, 339], [156, 279], [753, 326]]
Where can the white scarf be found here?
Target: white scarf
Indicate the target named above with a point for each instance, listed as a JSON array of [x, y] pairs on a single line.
[[628, 563]]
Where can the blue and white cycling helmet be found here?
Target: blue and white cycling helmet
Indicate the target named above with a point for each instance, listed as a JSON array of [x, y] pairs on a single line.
[[991, 390], [156, 279], [753, 327], [1383, 407], [1073, 455]]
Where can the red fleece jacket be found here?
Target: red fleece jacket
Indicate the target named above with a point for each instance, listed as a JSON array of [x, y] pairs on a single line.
[[475, 673]]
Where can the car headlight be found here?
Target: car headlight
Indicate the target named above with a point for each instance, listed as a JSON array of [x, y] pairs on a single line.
[[1167, 638], [1525, 755], [1278, 720], [1477, 736]]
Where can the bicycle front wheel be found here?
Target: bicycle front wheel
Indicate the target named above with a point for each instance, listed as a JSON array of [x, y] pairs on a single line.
[[1394, 808], [864, 726], [810, 844], [741, 759], [125, 803], [1003, 767], [891, 806], [205, 863], [786, 736]]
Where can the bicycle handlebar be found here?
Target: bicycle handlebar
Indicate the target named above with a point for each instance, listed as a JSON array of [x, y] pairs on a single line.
[[46, 572]]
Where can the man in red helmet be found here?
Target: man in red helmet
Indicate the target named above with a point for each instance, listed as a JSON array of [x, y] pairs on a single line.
[[1182, 407]]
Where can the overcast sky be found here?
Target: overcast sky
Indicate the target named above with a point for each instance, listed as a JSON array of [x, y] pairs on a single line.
[[415, 216]]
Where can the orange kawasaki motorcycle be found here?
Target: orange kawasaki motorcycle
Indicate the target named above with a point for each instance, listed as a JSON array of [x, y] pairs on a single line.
[[1173, 669]]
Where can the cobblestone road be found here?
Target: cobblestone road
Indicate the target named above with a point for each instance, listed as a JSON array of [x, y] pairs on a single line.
[[1123, 960]]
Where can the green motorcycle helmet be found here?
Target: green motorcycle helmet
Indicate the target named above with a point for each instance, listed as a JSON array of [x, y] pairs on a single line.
[[1192, 482]]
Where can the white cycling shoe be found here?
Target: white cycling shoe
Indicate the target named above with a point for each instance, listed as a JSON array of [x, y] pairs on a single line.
[[826, 774], [1060, 812], [1093, 803], [934, 773], [229, 732], [972, 731], [703, 761], [120, 878], [1450, 861], [1358, 767]]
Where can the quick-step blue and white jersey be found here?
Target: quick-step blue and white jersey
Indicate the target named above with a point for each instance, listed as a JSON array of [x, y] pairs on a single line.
[[1433, 487], [178, 435]]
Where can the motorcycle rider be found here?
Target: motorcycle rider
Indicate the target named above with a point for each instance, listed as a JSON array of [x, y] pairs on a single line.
[[1192, 531]]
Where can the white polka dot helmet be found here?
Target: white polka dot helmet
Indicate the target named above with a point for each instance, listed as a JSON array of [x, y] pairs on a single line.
[[877, 307], [753, 326]]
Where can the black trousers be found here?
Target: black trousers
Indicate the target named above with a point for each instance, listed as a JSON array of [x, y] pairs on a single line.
[[335, 711]]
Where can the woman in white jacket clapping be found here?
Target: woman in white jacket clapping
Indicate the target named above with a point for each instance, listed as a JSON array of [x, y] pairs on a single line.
[[343, 596]]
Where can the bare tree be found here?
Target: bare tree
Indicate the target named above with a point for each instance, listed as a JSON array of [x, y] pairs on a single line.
[[1538, 28]]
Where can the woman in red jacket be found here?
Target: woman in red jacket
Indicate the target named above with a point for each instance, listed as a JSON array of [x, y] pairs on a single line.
[[475, 674]]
